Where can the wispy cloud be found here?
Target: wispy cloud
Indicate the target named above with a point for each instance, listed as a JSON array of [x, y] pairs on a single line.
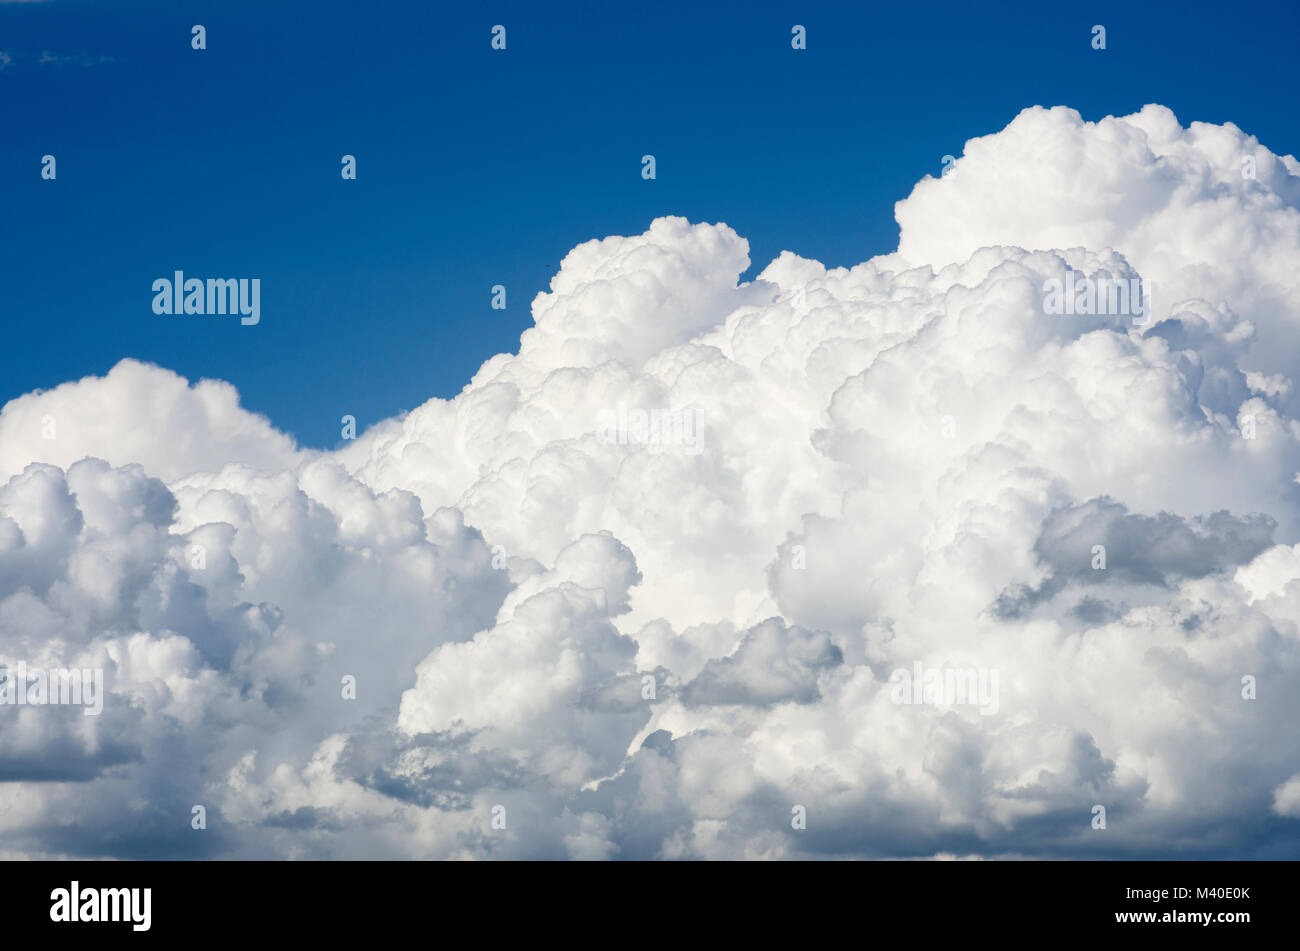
[[76, 58]]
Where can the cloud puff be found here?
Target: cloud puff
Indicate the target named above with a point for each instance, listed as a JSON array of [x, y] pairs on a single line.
[[141, 414], [650, 587]]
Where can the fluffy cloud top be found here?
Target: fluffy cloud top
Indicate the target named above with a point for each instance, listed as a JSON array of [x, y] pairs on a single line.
[[669, 571]]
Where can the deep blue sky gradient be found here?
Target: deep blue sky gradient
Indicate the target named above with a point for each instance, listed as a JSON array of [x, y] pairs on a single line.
[[478, 167]]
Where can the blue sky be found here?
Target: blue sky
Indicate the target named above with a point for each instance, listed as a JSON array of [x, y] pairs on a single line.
[[479, 167]]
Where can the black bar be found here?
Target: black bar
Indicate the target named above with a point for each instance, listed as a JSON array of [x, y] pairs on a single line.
[[663, 902]]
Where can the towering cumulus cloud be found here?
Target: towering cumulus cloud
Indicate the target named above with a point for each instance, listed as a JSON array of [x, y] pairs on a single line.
[[897, 560]]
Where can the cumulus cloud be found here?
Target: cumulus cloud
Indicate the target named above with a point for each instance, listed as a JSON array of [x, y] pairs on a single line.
[[141, 414], [568, 638]]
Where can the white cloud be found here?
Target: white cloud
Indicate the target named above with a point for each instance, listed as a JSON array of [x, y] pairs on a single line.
[[139, 413], [637, 650], [1286, 798]]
